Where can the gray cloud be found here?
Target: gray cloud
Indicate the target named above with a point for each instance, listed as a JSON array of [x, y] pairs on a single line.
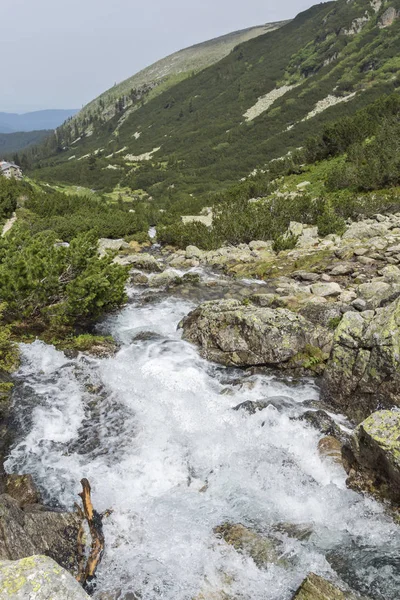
[[59, 54]]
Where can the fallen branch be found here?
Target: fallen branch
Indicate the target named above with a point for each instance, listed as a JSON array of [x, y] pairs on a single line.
[[86, 574]]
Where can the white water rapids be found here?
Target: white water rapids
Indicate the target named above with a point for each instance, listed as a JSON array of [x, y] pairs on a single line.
[[153, 430]]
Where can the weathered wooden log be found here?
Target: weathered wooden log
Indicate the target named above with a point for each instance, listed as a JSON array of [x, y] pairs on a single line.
[[87, 573]]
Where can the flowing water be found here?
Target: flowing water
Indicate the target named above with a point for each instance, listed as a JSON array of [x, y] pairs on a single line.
[[153, 430]]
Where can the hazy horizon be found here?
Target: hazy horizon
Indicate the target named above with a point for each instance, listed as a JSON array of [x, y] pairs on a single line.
[[64, 56]]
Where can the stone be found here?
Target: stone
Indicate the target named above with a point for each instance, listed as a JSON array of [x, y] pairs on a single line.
[[234, 334], [305, 276], [325, 277], [347, 296], [326, 289], [318, 588], [38, 578], [23, 489], [23, 533], [263, 550], [320, 420], [330, 447], [378, 292], [144, 262], [390, 273], [193, 252], [261, 246], [139, 278], [363, 230], [372, 458], [105, 244], [342, 269], [363, 371], [366, 260], [359, 304], [165, 279]]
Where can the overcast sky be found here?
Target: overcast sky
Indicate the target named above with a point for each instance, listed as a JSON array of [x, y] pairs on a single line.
[[64, 53]]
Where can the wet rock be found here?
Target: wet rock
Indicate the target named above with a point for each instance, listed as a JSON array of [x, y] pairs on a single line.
[[363, 371], [254, 406], [263, 550], [5, 432], [301, 532], [138, 278], [326, 289], [318, 588], [38, 578], [23, 533], [372, 458], [23, 489], [330, 447], [234, 334], [320, 420]]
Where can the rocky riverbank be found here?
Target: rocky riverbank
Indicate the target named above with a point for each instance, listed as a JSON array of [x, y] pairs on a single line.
[[328, 309]]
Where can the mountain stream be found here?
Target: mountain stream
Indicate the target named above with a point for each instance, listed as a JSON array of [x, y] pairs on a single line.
[[153, 430]]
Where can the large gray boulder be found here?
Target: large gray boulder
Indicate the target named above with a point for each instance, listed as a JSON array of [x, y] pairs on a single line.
[[363, 371], [35, 530], [372, 457], [38, 578], [236, 334]]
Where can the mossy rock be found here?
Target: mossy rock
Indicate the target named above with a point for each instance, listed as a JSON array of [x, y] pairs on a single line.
[[315, 587], [263, 550]]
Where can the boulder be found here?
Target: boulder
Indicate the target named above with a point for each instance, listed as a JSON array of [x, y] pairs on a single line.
[[38, 578], [363, 230], [105, 244], [318, 588], [326, 289], [372, 457], [24, 532], [363, 371], [342, 269], [194, 252], [144, 262], [231, 333], [377, 292]]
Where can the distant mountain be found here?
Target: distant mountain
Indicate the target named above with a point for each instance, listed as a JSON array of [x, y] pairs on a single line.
[[13, 142], [34, 121]]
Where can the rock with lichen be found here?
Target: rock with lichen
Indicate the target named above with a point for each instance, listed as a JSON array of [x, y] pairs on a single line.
[[372, 457], [38, 578], [35, 530], [363, 372], [236, 334]]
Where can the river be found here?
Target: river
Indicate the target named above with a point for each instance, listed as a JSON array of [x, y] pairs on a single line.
[[153, 430]]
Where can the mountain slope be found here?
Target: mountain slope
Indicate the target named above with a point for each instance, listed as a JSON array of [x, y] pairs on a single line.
[[263, 99], [166, 72], [33, 121]]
